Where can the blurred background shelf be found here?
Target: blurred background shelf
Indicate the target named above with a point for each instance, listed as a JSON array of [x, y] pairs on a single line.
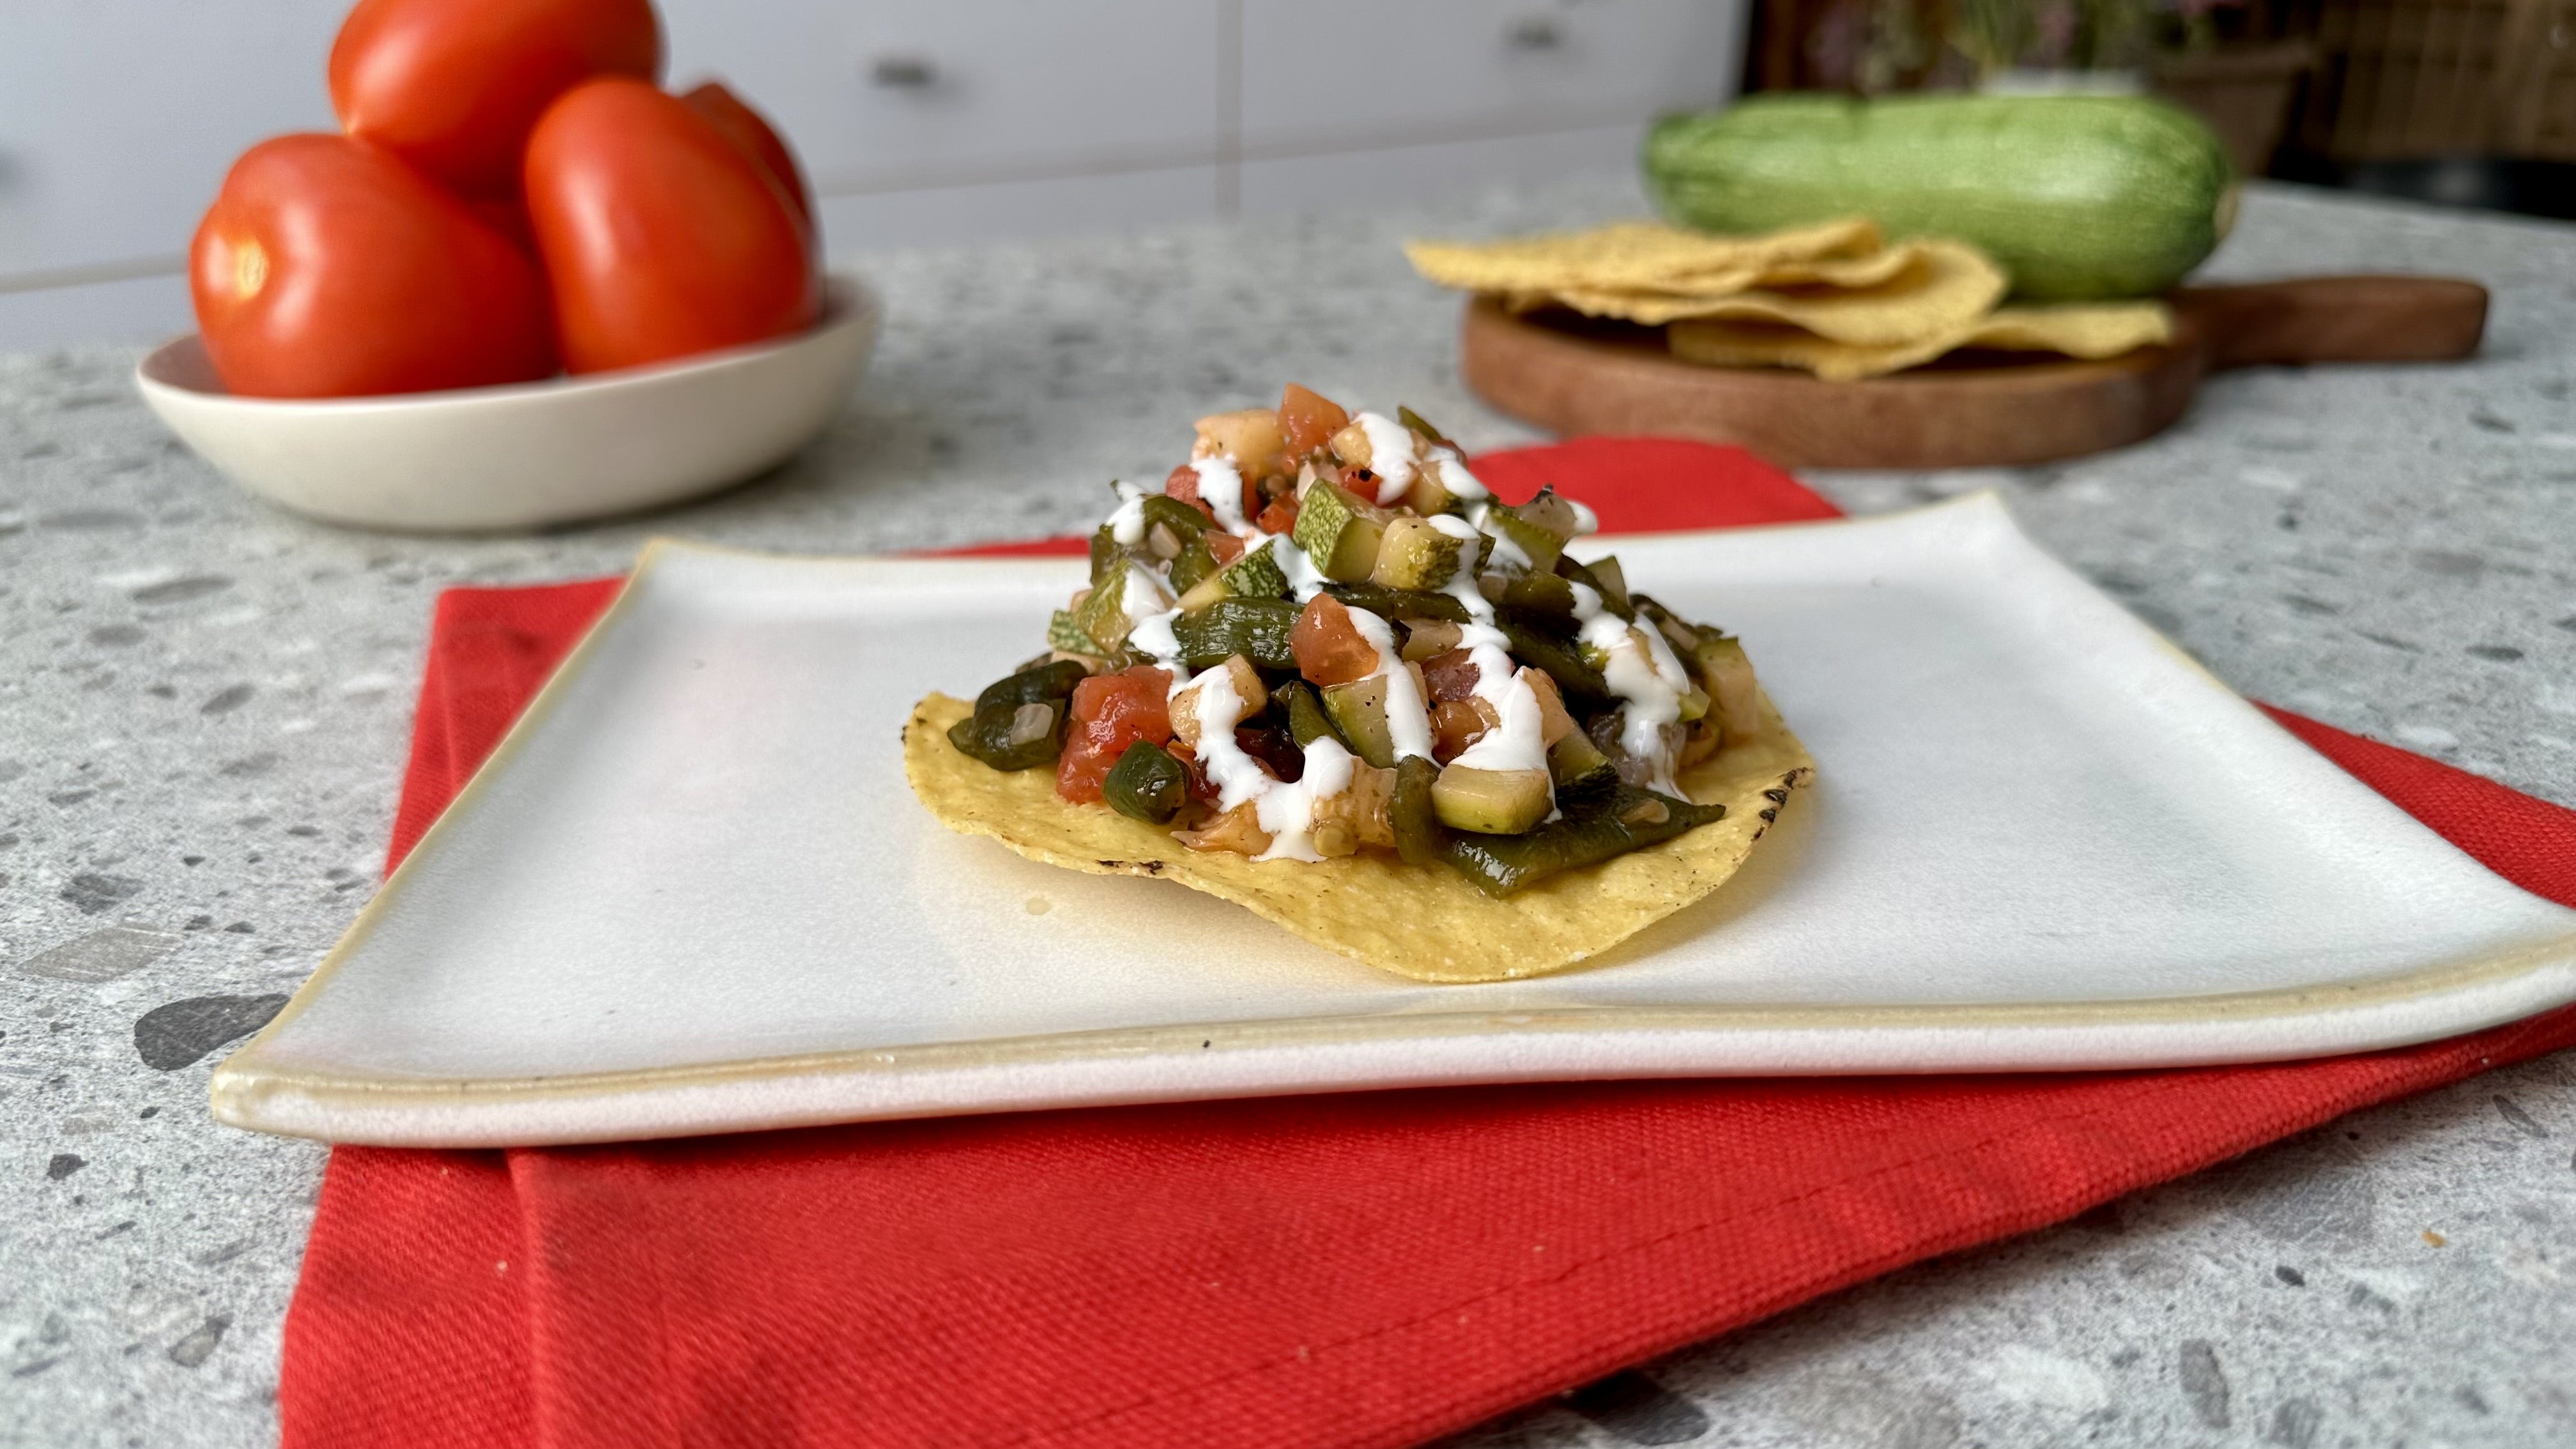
[[2453, 102]]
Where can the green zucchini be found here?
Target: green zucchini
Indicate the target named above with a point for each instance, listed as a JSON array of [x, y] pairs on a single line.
[[2079, 197]]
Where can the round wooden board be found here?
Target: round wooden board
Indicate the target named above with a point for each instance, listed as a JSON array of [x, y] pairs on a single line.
[[1608, 378], [1570, 375]]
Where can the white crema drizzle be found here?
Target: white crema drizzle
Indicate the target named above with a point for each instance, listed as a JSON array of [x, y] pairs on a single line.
[[1408, 718], [1641, 670], [1519, 740], [1391, 456], [1221, 489], [1286, 809]]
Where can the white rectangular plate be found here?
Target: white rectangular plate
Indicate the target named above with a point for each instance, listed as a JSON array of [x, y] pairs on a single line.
[[692, 893]]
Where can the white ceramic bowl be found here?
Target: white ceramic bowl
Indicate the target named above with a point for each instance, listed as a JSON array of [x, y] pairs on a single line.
[[490, 458]]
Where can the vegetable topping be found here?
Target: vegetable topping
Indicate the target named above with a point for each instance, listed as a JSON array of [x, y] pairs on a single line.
[[1325, 635]]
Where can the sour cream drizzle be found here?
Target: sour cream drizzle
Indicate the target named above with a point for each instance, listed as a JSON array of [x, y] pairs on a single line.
[[1519, 741], [1286, 809], [1639, 668], [1408, 719], [1221, 489], [1391, 455], [1144, 596]]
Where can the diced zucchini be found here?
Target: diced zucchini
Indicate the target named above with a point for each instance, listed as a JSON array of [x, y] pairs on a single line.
[[1490, 802], [1107, 613], [1728, 677], [1339, 532], [1063, 633], [1579, 767], [1253, 576], [1147, 784], [1358, 710], [1413, 555]]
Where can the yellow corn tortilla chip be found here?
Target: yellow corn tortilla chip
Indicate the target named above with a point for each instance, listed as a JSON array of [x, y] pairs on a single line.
[[2078, 329], [1633, 254], [2084, 330], [1426, 922], [1945, 286], [1876, 269]]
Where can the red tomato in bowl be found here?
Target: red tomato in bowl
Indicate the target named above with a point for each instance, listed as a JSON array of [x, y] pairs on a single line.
[[660, 237], [328, 268], [454, 86], [745, 128]]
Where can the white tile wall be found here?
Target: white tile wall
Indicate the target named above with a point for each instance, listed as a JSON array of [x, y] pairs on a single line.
[[922, 122]]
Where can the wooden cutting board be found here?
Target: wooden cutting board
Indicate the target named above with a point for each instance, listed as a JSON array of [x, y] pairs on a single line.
[[1571, 375]]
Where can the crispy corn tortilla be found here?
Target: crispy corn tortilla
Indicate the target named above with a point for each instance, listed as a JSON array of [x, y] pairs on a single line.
[[1638, 254], [1876, 269], [2079, 330], [1425, 922], [1941, 287]]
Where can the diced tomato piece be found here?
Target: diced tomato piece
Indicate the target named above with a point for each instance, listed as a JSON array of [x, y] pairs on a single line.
[[1450, 676], [1223, 545], [1110, 712], [1280, 516], [1328, 647], [1455, 725], [1307, 421], [1183, 484]]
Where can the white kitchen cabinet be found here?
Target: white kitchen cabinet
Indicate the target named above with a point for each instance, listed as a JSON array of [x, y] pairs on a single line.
[[1329, 76], [921, 121], [895, 95]]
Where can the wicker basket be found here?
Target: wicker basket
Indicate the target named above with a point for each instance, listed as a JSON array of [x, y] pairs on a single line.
[[2397, 79]]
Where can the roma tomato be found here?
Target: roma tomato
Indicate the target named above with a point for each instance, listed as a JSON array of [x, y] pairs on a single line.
[[327, 268], [454, 86], [660, 237], [744, 127]]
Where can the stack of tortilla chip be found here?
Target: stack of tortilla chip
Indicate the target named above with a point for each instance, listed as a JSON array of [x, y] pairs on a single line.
[[1834, 299]]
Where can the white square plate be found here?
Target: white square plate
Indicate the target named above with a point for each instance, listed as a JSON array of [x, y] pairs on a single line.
[[692, 893]]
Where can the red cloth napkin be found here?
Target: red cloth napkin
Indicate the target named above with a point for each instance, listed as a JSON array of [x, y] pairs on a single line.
[[1350, 1270]]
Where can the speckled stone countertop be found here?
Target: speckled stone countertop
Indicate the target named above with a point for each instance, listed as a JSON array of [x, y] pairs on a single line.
[[204, 705]]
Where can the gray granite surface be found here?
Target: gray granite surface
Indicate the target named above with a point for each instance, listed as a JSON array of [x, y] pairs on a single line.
[[204, 703]]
